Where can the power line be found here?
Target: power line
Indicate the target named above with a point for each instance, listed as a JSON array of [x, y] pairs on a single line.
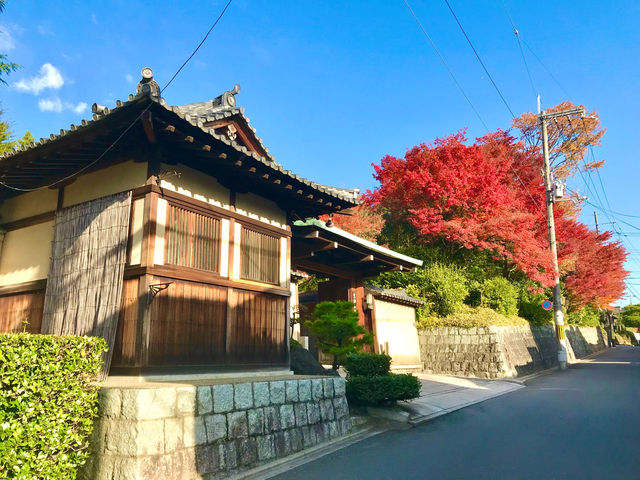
[[453, 76], [444, 62], [108, 149], [609, 213], [547, 70], [524, 59], [479, 59]]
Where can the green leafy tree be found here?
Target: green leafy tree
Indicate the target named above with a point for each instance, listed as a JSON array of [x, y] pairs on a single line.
[[336, 329], [631, 316], [7, 143], [6, 66]]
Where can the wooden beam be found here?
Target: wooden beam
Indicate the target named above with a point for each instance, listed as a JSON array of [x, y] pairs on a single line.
[[313, 267], [147, 125], [301, 252], [206, 148], [170, 128], [188, 138]]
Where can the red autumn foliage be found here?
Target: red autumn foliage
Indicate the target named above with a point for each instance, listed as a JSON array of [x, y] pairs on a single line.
[[467, 194], [490, 196], [592, 266]]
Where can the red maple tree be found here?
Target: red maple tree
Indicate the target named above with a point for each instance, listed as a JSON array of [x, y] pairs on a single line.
[[467, 194], [592, 266], [489, 196]]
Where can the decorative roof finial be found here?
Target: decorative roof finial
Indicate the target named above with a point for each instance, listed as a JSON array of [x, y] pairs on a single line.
[[227, 99], [148, 86]]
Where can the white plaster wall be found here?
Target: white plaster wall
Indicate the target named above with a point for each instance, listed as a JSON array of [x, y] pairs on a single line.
[[107, 181], [25, 254], [137, 225], [396, 325], [161, 221], [28, 204], [260, 208], [195, 184]]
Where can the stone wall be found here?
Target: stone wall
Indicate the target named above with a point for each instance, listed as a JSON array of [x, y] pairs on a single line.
[[211, 431], [501, 351]]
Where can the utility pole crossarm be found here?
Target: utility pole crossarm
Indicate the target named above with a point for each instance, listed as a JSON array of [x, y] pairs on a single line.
[[563, 113]]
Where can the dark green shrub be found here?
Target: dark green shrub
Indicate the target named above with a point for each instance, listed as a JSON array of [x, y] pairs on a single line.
[[631, 316], [48, 400], [336, 329], [382, 389], [585, 317], [367, 364], [443, 287], [499, 294]]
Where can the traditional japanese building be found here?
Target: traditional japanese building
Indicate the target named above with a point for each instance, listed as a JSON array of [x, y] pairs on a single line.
[[168, 231]]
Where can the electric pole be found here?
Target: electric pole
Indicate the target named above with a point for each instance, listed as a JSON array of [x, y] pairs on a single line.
[[549, 193], [595, 217]]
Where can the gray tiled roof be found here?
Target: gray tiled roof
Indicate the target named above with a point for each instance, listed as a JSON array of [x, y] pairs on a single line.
[[398, 295], [197, 114]]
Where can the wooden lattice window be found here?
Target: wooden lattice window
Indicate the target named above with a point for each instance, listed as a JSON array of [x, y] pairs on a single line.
[[260, 254], [192, 240]]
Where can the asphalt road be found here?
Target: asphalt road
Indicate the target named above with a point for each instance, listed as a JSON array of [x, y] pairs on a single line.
[[583, 423]]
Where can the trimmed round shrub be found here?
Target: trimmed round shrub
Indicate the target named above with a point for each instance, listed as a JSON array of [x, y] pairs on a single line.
[[499, 294], [367, 364], [382, 390]]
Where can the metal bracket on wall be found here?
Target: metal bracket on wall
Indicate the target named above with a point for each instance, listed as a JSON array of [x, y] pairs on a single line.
[[158, 287]]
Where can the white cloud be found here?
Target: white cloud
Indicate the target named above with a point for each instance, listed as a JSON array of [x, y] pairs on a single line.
[[129, 78], [7, 42], [94, 19], [50, 105], [79, 108], [49, 77], [56, 105]]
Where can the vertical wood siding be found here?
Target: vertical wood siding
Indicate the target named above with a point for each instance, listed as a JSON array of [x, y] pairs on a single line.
[[124, 351], [258, 330], [193, 240], [260, 257], [188, 325], [21, 312], [84, 286]]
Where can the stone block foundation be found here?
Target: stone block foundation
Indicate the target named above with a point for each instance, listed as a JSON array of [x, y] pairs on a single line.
[[211, 431], [501, 351]]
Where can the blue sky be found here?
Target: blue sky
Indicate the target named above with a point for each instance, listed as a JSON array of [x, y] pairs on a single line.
[[333, 86]]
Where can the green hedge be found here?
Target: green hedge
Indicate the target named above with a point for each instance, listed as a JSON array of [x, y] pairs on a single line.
[[367, 364], [370, 383], [500, 295], [47, 403], [382, 389]]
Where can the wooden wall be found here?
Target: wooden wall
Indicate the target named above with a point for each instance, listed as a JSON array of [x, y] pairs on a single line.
[[188, 325], [258, 330], [124, 352], [21, 312]]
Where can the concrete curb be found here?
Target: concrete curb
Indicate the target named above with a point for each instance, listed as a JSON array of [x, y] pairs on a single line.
[[285, 464], [425, 418], [523, 380]]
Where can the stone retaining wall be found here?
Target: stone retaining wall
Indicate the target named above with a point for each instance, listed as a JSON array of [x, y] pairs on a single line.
[[211, 431], [501, 351]]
